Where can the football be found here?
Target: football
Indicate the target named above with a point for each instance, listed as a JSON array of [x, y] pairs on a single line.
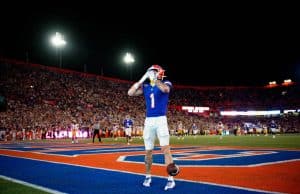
[[172, 169]]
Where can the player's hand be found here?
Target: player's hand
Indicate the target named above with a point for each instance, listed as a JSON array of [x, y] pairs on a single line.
[[161, 74], [152, 75]]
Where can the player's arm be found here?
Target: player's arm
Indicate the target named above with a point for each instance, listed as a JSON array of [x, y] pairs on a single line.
[[162, 86], [136, 89]]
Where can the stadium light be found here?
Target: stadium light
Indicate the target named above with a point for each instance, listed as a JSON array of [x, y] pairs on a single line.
[[58, 42], [129, 60], [272, 84], [287, 82]]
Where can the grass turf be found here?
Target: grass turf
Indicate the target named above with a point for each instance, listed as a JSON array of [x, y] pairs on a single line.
[[9, 187]]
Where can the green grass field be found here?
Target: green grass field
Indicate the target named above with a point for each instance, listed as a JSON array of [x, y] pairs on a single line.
[[280, 141], [9, 187], [290, 141]]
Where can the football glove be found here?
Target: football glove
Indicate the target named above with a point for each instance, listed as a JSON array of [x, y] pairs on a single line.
[[152, 75]]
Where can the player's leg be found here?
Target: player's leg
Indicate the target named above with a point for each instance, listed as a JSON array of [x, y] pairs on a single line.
[[99, 136], [168, 160], [148, 165], [148, 161], [149, 139], [114, 134], [94, 134], [127, 135], [73, 139], [273, 131], [164, 141]]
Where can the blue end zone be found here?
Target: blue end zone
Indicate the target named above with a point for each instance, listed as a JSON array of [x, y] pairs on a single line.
[[74, 179]]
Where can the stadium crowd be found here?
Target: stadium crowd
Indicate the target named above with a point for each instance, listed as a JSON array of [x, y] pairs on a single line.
[[42, 101]]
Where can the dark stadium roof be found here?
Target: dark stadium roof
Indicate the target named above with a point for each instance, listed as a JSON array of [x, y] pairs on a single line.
[[195, 48]]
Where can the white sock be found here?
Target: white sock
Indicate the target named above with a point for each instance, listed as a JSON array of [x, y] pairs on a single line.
[[148, 176], [170, 178]]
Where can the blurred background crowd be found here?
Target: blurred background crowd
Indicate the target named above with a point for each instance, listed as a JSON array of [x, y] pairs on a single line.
[[39, 102]]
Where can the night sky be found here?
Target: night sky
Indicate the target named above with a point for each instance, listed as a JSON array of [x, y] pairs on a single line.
[[223, 48]]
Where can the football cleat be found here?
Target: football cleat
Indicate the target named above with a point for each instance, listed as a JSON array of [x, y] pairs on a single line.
[[170, 185], [147, 182]]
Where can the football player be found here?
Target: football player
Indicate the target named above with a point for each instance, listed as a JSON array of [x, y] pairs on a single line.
[[128, 123], [156, 93], [74, 129]]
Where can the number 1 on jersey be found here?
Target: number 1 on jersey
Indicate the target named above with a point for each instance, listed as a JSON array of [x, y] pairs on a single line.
[[152, 100]]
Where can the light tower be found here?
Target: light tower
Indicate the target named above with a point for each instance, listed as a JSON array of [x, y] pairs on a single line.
[[58, 42]]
